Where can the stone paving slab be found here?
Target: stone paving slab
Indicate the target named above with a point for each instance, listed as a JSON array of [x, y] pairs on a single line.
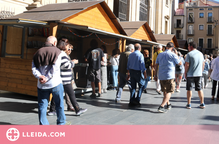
[[18, 109]]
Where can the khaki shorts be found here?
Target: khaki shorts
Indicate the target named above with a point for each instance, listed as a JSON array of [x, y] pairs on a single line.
[[167, 85]]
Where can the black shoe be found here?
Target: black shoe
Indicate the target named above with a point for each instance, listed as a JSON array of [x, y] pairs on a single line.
[[161, 109], [145, 91], [169, 106], [70, 109], [93, 95], [137, 103], [99, 95], [159, 92], [81, 111], [131, 104]]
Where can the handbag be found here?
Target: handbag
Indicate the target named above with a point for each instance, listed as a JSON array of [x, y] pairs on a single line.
[[178, 68]]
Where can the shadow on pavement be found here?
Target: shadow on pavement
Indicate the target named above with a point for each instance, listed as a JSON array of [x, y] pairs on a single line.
[[18, 107]]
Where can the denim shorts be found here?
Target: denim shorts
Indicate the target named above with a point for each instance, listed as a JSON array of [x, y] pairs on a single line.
[[193, 80]]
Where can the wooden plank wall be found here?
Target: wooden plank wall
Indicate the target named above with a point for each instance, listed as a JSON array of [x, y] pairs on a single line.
[[16, 76]]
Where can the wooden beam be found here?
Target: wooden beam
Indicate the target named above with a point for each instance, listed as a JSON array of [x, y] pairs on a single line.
[[53, 29], [120, 44], [123, 45]]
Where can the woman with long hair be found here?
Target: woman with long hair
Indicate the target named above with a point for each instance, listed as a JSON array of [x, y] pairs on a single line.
[[114, 61]]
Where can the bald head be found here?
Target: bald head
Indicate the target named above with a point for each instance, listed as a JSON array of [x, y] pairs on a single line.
[[137, 46], [52, 40]]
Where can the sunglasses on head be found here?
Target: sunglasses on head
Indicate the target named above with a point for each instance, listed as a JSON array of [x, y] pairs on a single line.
[[64, 40]]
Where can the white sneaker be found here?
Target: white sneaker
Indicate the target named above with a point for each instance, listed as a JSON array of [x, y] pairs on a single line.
[[105, 90], [177, 90]]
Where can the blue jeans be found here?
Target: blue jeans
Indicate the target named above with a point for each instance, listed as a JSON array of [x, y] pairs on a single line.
[[43, 98], [114, 72], [136, 77], [122, 83], [146, 82]]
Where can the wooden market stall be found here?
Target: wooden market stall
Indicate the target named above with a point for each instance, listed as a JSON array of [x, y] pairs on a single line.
[[24, 34], [141, 30], [165, 38]]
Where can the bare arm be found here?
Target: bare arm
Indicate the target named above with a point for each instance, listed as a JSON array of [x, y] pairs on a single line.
[[186, 69], [203, 66], [155, 72], [180, 63]]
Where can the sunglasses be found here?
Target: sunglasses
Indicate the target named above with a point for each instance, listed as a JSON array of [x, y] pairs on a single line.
[[70, 49]]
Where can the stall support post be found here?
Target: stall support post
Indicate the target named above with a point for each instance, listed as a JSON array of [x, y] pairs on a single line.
[[23, 41], [152, 55], [53, 29], [122, 44], [4, 39]]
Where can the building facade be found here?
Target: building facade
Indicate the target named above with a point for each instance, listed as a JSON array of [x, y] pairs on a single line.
[[202, 26], [158, 13]]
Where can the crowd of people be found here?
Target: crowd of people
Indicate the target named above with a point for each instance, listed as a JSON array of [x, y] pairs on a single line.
[[53, 68]]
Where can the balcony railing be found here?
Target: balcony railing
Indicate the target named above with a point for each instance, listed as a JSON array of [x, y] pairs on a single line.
[[190, 32], [210, 20], [179, 36], [211, 45], [207, 46], [200, 45], [210, 33], [178, 25]]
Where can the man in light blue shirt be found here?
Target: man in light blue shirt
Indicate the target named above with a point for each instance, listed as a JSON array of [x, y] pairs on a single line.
[[46, 68], [166, 61], [194, 67], [137, 73]]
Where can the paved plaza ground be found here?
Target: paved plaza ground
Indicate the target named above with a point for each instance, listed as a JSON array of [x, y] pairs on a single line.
[[18, 109]]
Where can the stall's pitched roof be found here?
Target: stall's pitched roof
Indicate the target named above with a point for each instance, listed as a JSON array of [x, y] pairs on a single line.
[[138, 29], [165, 38], [183, 44], [63, 12]]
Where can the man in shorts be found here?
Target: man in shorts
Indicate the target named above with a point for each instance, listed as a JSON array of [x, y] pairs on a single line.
[[193, 73], [94, 56], [166, 61]]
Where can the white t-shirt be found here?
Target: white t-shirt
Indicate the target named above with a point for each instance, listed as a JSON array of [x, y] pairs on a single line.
[[114, 60]]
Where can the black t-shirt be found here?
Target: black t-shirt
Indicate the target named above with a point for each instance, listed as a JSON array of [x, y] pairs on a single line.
[[94, 57], [148, 62]]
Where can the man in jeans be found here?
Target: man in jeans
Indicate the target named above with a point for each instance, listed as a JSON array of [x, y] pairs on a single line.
[[166, 61], [123, 60], [46, 68], [137, 70], [193, 73]]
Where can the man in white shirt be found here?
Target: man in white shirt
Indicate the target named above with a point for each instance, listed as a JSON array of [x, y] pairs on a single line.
[[46, 68]]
